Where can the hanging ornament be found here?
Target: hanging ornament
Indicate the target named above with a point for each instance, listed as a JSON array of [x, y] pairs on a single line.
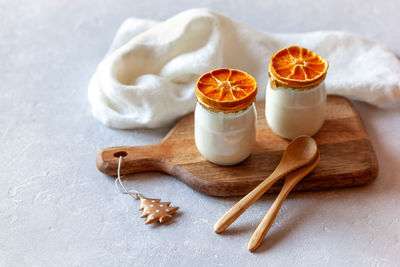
[[152, 208], [155, 210]]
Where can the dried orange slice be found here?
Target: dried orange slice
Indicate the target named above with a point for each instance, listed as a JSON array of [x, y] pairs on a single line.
[[298, 66], [226, 90]]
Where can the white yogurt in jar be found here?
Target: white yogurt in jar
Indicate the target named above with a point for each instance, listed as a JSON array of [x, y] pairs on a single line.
[[225, 138], [292, 112]]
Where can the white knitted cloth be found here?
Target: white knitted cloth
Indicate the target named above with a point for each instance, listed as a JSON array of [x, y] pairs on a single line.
[[147, 78]]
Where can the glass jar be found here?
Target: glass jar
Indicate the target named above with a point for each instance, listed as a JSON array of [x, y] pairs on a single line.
[[291, 112], [295, 97], [225, 116], [225, 138]]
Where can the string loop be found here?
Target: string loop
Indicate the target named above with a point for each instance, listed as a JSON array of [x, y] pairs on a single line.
[[120, 186]]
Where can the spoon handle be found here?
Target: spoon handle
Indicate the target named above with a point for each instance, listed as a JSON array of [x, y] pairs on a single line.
[[291, 180], [265, 225], [231, 215]]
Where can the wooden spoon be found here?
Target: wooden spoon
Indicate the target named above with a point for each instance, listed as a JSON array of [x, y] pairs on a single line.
[[299, 152], [291, 180]]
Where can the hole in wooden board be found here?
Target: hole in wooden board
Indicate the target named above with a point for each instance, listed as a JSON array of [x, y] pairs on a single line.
[[120, 154]]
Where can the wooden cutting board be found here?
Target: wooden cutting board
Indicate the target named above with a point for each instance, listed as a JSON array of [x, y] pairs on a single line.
[[347, 156]]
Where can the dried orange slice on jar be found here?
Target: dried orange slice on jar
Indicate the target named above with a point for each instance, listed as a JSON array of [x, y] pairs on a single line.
[[297, 67], [227, 90]]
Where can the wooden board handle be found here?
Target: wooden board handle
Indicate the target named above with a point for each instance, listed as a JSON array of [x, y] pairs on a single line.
[[135, 159]]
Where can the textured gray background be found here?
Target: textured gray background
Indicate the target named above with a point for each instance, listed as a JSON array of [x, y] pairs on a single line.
[[56, 209]]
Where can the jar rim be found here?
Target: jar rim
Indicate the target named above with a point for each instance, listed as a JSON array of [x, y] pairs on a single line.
[[226, 111], [275, 83]]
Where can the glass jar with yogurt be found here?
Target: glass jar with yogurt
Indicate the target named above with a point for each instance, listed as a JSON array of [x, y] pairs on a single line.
[[296, 94], [225, 116]]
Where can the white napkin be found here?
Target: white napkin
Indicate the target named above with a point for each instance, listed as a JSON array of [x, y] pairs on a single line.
[[147, 79]]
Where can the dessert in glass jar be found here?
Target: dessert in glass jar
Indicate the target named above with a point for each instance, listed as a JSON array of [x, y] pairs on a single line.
[[296, 95], [225, 116]]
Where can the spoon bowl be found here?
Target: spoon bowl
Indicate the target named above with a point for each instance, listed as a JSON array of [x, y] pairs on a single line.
[[299, 152]]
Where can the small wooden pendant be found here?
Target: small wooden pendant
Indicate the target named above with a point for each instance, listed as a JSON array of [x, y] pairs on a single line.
[[155, 210]]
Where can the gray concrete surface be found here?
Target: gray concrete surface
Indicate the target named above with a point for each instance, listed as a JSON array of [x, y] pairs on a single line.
[[56, 209]]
